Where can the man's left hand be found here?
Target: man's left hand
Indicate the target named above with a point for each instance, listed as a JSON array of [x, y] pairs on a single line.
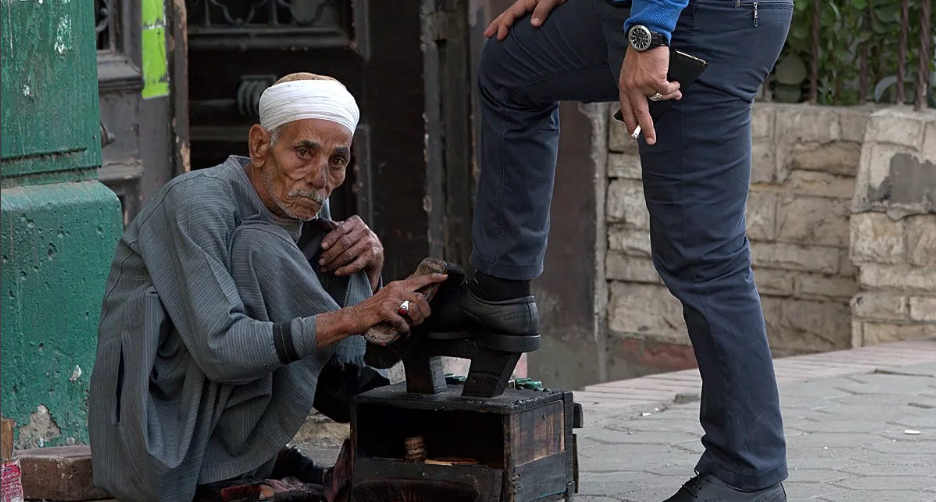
[[643, 75], [352, 247]]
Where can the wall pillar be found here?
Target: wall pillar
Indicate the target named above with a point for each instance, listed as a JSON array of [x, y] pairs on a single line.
[[60, 225], [893, 229]]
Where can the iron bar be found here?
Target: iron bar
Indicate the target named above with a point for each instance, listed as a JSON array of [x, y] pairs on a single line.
[[814, 70], [863, 71], [902, 50], [923, 71]]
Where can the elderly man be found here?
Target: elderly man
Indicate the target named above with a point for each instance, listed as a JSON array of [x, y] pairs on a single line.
[[216, 327]]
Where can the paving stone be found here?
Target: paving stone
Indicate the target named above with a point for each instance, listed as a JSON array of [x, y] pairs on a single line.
[[886, 384], [888, 483], [889, 470], [617, 437], [917, 422], [832, 440], [903, 447], [684, 469], [797, 459], [844, 426], [808, 403], [808, 491], [611, 483], [827, 390], [818, 475], [878, 496], [876, 399], [873, 413]]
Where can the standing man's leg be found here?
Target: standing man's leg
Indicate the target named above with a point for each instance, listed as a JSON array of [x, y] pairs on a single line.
[[696, 180], [521, 81]]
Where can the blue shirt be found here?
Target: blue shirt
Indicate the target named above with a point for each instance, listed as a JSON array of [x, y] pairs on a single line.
[[657, 15]]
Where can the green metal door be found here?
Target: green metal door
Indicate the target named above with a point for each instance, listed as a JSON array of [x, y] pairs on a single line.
[[49, 81]]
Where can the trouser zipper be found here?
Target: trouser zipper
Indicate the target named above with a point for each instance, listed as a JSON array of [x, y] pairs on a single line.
[[755, 14]]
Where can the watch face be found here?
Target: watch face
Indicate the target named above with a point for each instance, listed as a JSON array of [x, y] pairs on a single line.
[[640, 38]]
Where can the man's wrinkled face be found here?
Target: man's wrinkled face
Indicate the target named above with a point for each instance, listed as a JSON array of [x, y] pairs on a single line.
[[302, 164]]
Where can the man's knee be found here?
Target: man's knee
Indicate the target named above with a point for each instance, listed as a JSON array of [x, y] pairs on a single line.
[[699, 261], [490, 68]]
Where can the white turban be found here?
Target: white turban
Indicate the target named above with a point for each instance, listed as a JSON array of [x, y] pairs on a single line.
[[308, 99]]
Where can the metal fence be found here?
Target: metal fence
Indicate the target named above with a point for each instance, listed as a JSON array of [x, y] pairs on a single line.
[[847, 52]]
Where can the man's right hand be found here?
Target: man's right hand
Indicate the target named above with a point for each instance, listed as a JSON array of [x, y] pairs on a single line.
[[501, 24], [384, 306]]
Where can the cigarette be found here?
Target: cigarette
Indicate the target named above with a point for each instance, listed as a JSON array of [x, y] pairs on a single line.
[[636, 133]]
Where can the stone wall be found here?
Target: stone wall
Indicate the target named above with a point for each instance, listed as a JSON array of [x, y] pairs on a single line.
[[893, 229], [805, 162]]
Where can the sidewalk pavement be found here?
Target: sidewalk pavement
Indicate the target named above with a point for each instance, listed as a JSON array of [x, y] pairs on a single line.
[[860, 426]]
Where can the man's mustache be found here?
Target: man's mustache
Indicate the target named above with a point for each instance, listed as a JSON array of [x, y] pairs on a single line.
[[307, 194]]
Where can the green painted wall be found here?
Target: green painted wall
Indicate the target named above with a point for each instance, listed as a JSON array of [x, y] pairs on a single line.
[[58, 225]]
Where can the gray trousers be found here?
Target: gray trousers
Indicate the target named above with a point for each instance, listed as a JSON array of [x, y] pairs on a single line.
[[696, 180]]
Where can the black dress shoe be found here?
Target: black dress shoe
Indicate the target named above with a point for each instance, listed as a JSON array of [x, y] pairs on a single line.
[[508, 326], [708, 488]]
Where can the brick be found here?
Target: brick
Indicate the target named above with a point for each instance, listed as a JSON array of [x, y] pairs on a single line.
[[805, 325], [762, 121], [923, 308], [624, 165], [61, 473], [857, 333], [878, 333], [819, 123], [763, 162], [618, 140], [795, 257], [854, 124], [824, 286], [621, 267], [812, 220], [875, 238], [879, 305], [761, 216], [921, 240], [896, 127], [793, 124], [877, 161], [846, 267], [642, 310], [839, 157], [821, 184], [631, 242], [773, 282], [625, 204], [898, 277], [929, 142]]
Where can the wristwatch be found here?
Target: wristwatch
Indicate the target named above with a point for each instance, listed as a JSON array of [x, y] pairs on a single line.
[[641, 38]]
